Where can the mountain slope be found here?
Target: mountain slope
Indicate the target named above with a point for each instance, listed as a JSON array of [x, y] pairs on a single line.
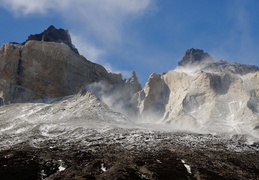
[[23, 121]]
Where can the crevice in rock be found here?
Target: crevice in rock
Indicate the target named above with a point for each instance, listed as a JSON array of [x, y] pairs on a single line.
[[19, 69]]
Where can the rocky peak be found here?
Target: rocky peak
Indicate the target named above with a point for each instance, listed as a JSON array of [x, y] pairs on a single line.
[[197, 60], [39, 70], [195, 57], [54, 35]]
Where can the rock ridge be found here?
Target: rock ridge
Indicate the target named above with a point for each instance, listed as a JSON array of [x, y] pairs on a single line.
[[197, 60]]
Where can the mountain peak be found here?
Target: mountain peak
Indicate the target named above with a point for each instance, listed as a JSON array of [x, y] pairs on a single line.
[[53, 34], [195, 57], [198, 60]]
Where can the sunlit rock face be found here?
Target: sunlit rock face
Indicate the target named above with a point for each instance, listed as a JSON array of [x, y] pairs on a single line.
[[39, 69], [203, 96]]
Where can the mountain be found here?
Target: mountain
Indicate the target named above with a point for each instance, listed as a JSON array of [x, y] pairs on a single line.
[[204, 95], [65, 117], [200, 95], [42, 69], [197, 60]]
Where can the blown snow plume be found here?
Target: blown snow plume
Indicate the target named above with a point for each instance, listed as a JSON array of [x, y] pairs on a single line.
[[120, 97]]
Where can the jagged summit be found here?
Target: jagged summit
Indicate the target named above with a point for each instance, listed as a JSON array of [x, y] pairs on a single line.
[[195, 57], [198, 60], [54, 35]]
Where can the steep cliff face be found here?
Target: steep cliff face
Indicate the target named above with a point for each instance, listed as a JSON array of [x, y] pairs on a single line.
[[208, 100], [40, 69]]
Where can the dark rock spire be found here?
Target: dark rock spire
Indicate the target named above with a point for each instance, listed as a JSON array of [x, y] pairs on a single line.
[[54, 35], [194, 57]]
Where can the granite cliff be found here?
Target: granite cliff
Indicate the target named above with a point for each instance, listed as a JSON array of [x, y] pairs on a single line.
[[44, 67], [203, 95]]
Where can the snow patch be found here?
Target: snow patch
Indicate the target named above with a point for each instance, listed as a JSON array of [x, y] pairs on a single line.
[[188, 168], [103, 168], [61, 168]]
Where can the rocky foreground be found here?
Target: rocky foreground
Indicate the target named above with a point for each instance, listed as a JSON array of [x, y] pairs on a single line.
[[131, 154]]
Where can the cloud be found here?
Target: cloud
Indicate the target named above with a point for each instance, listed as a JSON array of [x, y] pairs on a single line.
[[101, 18], [109, 67], [88, 50], [94, 54]]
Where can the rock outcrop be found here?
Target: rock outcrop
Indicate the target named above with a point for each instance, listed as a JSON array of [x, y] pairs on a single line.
[[195, 57], [40, 69], [54, 35]]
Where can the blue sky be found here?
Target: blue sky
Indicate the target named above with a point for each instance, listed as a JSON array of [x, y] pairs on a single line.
[[145, 36]]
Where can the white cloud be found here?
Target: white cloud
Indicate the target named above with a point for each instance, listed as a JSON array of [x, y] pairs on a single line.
[[125, 73], [102, 18], [90, 51]]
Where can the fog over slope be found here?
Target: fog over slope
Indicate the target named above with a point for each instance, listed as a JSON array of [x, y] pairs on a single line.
[[48, 89]]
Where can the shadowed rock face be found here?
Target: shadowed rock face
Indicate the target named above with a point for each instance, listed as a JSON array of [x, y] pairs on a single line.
[[195, 57], [54, 35]]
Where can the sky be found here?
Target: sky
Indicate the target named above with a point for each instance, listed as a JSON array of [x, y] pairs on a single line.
[[145, 36]]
